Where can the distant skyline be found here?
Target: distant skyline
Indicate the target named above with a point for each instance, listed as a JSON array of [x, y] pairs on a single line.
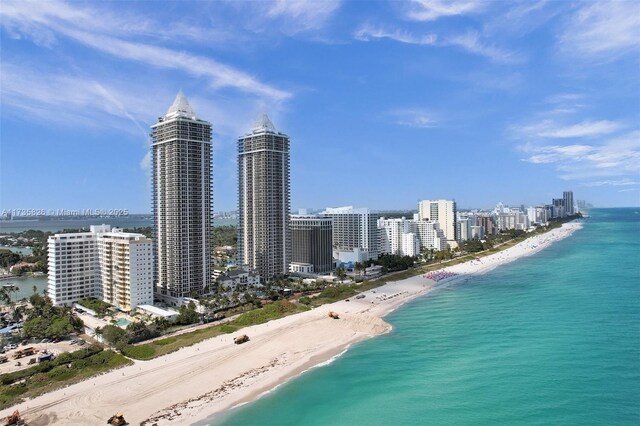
[[385, 103]]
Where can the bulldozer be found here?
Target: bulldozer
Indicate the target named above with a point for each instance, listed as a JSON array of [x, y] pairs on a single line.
[[117, 420], [334, 315]]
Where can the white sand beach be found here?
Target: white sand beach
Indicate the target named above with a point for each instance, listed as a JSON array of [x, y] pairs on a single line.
[[199, 381]]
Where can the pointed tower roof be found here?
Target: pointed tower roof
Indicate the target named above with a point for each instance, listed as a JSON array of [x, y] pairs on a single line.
[[180, 107], [264, 124]]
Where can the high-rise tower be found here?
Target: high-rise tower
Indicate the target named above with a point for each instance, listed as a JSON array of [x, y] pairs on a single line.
[[264, 238], [182, 202]]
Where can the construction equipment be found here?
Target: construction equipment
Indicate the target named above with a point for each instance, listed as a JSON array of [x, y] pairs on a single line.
[[241, 339], [25, 352], [14, 419], [334, 315], [117, 420]]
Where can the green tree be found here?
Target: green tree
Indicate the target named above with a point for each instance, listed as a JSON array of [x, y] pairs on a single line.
[[187, 315]]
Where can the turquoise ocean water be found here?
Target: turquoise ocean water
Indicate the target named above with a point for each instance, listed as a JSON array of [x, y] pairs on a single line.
[[552, 339]]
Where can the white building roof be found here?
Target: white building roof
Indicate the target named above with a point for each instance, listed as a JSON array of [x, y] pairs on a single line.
[[158, 311]]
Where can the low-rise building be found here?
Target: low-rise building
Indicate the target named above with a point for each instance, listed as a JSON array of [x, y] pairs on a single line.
[[241, 278]]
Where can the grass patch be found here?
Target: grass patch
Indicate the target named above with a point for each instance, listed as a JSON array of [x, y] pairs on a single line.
[[226, 328], [142, 352], [66, 369], [333, 294], [167, 341]]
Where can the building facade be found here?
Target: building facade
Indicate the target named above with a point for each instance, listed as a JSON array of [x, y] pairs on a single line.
[[355, 233], [445, 213], [126, 269], [567, 196], [311, 244], [182, 202], [73, 267], [264, 235], [107, 264]]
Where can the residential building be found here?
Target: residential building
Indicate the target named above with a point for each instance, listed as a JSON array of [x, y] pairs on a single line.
[[355, 233], [311, 244], [430, 235], [126, 269], [182, 202], [445, 213], [567, 196], [107, 264], [264, 233], [408, 237], [73, 267], [559, 209], [240, 278]]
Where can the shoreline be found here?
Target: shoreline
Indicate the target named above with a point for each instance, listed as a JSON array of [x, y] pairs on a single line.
[[212, 377]]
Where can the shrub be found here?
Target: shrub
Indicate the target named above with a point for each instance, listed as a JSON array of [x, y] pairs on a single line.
[[139, 352]]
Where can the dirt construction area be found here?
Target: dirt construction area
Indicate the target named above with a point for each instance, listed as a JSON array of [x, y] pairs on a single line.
[[55, 348]]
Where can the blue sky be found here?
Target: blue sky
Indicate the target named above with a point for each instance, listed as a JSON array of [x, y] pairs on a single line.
[[386, 103]]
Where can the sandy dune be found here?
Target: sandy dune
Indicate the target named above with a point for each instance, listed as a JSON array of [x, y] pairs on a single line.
[[199, 381]]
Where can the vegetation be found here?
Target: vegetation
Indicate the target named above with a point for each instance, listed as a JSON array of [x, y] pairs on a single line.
[[392, 262], [67, 368], [161, 347], [8, 258], [225, 236], [96, 305], [333, 294], [44, 320], [187, 315]]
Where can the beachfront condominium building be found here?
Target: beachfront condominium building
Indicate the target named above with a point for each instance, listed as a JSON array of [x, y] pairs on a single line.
[[355, 233], [73, 267], [311, 244], [407, 237], [567, 196], [182, 202], [126, 269], [559, 209], [264, 236], [107, 264], [445, 213]]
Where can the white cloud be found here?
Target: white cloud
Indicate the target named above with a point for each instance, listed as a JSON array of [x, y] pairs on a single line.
[[619, 156], [87, 27], [414, 118], [603, 29], [368, 33], [551, 129], [431, 10], [470, 42], [618, 182], [302, 15]]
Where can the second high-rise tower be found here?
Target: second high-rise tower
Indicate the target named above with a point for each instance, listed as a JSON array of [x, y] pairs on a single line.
[[264, 238]]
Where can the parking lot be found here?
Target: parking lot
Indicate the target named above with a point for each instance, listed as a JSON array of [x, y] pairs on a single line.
[[55, 348]]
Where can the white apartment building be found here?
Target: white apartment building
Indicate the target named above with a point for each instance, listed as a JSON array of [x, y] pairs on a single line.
[[410, 244], [126, 269], [445, 213], [430, 235], [73, 267], [110, 265], [407, 237], [354, 233]]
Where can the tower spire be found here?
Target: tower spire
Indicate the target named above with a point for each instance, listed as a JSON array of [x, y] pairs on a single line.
[[180, 107], [264, 124]]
